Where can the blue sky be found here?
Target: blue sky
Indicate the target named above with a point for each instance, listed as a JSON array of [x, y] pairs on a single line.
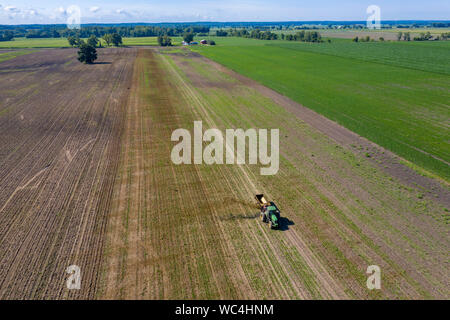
[[52, 11]]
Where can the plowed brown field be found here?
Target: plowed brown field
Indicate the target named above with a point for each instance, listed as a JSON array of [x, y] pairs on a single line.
[[60, 124]]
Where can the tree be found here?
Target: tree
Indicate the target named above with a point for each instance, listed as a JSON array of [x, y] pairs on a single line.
[[407, 36], [108, 39], [167, 40], [399, 36], [164, 41], [355, 39], [92, 41], [87, 53], [72, 41], [116, 39], [424, 37], [212, 43], [188, 37]]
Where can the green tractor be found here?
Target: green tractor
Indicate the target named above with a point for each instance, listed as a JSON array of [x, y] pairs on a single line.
[[269, 212]]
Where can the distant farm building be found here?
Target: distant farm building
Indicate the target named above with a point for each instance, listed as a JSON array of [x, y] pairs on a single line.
[[204, 41], [184, 43]]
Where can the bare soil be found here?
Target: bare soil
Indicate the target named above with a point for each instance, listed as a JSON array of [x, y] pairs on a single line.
[[60, 128]]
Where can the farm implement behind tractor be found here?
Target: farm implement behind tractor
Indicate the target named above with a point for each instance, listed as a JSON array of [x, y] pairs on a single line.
[[269, 211]]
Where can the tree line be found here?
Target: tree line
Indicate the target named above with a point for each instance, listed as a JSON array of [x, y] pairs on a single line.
[[100, 31], [245, 33], [87, 52], [111, 39], [304, 36], [406, 36]]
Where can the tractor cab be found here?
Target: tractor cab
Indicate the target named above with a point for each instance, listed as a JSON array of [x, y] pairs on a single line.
[[273, 215]]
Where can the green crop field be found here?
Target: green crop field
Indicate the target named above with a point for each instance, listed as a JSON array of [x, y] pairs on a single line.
[[148, 41], [62, 42], [395, 94], [414, 55], [387, 34], [35, 43]]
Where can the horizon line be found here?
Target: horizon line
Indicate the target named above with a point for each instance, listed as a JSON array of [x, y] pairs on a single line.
[[222, 22]]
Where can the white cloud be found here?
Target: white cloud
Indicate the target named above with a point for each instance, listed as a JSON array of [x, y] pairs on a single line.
[[123, 12], [11, 9], [61, 10], [94, 9]]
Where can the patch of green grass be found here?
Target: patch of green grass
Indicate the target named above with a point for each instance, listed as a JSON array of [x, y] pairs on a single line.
[[422, 171], [171, 50], [400, 108], [35, 43], [142, 41], [148, 41], [12, 54]]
